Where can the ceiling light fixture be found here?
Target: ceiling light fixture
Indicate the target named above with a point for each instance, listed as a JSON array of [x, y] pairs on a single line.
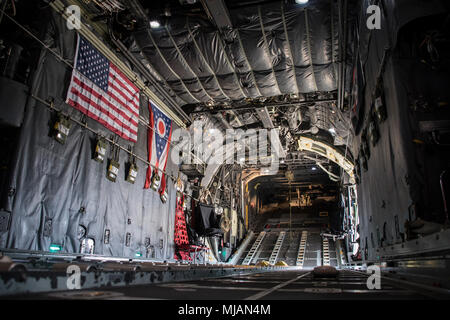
[[155, 24], [301, 1]]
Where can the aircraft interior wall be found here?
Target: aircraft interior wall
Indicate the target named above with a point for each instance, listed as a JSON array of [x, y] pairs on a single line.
[[398, 163], [60, 195]]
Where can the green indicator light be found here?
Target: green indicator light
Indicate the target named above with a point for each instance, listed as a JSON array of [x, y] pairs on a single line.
[[55, 247]]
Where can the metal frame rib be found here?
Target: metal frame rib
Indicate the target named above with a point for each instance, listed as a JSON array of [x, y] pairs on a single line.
[[266, 46], [308, 40], [169, 67], [289, 47], [248, 63], [164, 80], [225, 54], [204, 59], [333, 60], [187, 64]]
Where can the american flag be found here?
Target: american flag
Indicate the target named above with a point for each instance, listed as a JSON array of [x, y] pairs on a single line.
[[102, 92], [159, 136]]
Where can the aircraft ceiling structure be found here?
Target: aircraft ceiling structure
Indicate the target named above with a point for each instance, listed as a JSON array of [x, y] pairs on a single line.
[[268, 51]]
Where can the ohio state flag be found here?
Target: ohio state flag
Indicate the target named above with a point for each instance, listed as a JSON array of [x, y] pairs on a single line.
[[159, 136]]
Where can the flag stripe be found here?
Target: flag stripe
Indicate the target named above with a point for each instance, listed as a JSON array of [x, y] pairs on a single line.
[[103, 119], [88, 92], [77, 96], [127, 82], [101, 91], [130, 91], [96, 109], [116, 93], [120, 97]]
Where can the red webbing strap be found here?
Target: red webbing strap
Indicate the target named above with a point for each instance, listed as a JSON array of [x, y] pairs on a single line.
[[180, 232]]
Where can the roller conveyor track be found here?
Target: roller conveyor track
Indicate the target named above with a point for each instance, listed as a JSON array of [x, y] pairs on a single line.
[[325, 252], [277, 248], [254, 249], [302, 249]]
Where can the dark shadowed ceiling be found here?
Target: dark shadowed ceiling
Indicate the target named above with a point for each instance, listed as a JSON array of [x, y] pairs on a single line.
[[268, 51]]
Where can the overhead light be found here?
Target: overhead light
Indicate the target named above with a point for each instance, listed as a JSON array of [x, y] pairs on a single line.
[[301, 1], [155, 24], [313, 168], [218, 210], [332, 131]]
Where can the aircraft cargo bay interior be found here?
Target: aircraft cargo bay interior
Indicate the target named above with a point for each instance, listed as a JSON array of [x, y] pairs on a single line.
[[224, 150]]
